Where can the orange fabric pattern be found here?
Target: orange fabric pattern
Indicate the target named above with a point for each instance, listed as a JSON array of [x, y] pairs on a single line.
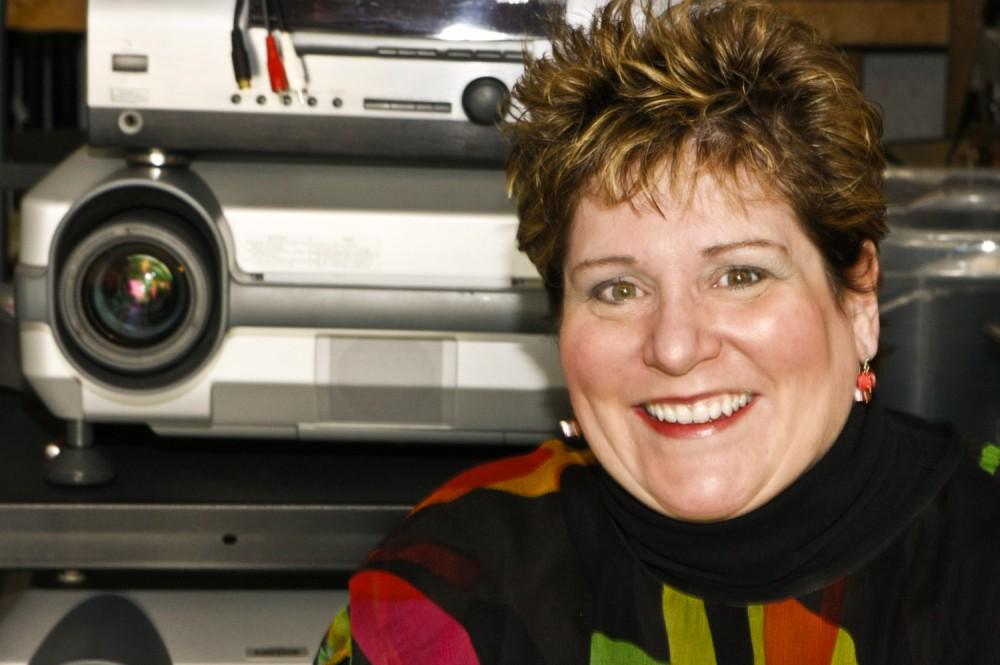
[[793, 635], [530, 475]]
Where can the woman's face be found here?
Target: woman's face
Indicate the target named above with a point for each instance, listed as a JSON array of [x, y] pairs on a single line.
[[708, 361]]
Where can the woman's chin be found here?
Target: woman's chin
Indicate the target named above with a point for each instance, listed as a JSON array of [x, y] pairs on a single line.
[[712, 500]]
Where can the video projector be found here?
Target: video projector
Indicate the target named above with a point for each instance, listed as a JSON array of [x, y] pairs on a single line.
[[287, 300]]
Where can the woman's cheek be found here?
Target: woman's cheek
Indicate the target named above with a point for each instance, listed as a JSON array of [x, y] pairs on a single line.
[[594, 354], [798, 337], [787, 331]]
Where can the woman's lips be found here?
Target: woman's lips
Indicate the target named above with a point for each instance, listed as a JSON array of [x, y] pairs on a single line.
[[695, 419]]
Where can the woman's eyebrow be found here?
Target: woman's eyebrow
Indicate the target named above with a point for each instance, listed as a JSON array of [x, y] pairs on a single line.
[[603, 261], [625, 259], [715, 250]]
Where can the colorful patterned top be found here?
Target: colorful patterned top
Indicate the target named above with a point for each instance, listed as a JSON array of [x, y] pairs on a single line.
[[886, 551]]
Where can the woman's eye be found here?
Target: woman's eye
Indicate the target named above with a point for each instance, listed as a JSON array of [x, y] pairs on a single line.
[[616, 292], [738, 278]]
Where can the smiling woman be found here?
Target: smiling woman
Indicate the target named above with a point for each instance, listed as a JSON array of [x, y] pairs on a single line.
[[675, 313], [700, 190]]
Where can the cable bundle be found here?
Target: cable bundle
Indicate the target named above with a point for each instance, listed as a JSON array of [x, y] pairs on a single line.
[[285, 69]]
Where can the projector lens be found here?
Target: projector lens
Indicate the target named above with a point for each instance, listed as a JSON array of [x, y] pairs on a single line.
[[136, 296]]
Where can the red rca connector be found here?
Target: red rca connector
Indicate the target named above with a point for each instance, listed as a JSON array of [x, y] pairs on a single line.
[[275, 68]]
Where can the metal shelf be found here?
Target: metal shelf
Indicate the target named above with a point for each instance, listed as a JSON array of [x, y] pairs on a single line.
[[208, 505]]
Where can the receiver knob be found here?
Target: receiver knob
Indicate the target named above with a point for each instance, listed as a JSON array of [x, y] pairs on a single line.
[[485, 100]]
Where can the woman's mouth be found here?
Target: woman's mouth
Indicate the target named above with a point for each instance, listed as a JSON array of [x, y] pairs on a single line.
[[698, 418], [702, 411]]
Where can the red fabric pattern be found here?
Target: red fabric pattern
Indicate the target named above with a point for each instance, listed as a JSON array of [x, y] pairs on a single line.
[[393, 623], [458, 570]]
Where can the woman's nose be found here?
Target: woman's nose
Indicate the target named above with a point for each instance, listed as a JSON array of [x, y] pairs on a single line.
[[679, 336]]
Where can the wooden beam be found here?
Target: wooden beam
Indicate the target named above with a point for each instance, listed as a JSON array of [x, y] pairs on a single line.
[[966, 24], [47, 15], [881, 23]]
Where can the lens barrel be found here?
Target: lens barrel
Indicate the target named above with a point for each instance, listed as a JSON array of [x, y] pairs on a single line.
[[135, 295]]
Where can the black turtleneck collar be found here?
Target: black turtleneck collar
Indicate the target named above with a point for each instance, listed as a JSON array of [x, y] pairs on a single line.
[[873, 481]]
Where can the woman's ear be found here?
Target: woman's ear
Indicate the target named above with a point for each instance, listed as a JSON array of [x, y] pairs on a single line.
[[861, 302]]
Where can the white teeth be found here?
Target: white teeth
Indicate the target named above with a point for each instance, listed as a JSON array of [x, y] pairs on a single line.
[[700, 412]]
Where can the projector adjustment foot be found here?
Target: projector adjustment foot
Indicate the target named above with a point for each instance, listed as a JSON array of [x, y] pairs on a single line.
[[79, 462]]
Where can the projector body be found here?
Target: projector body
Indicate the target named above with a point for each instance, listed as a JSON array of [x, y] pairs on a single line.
[[290, 300]]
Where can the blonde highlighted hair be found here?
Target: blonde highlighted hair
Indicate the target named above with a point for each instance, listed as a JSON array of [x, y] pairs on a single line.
[[728, 87]]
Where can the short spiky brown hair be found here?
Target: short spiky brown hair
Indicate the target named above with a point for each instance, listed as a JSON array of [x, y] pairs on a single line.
[[729, 87]]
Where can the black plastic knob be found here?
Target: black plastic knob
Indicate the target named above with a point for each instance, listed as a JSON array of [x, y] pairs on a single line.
[[485, 100]]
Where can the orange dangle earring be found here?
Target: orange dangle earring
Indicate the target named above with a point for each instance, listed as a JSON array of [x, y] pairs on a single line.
[[865, 384]]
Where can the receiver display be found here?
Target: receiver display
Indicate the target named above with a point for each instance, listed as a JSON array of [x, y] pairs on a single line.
[[450, 20]]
